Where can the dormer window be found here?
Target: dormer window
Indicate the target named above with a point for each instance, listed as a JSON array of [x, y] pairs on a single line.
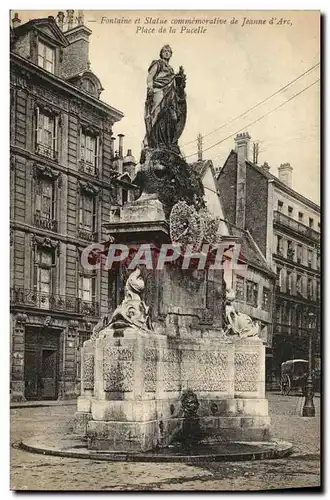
[[46, 57]]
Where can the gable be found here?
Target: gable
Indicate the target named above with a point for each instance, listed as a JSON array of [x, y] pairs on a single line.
[[47, 28], [226, 184], [212, 198]]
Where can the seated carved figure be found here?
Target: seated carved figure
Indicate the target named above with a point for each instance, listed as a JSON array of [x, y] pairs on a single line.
[[238, 323], [132, 311]]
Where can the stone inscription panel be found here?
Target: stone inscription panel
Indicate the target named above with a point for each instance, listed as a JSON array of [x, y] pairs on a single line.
[[88, 370], [118, 369], [205, 370], [171, 370], [150, 369], [246, 371]]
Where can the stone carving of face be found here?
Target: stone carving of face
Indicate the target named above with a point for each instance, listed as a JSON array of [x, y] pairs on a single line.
[[166, 53], [189, 403]]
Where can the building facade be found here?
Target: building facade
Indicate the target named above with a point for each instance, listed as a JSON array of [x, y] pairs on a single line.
[[254, 282], [286, 227], [65, 179]]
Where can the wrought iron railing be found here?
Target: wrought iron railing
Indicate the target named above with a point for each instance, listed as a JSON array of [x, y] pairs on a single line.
[[296, 226], [88, 167], [54, 302], [87, 235], [48, 151], [45, 222]]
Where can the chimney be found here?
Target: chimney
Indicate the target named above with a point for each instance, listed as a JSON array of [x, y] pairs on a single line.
[[129, 163], [113, 146], [76, 55], [242, 143], [285, 174], [121, 143], [60, 20], [70, 18], [265, 166], [200, 147], [15, 21]]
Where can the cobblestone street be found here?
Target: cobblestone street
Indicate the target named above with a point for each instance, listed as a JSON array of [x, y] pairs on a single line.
[[40, 472]]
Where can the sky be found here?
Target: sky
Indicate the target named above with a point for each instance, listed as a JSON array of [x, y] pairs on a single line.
[[230, 68]]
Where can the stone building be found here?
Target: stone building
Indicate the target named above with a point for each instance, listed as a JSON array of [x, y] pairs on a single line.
[[286, 227], [254, 285], [65, 179]]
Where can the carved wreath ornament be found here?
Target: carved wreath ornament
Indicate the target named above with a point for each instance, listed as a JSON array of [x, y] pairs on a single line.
[[189, 227]]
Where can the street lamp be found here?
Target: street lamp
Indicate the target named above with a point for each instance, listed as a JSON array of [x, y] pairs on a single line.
[[309, 408]]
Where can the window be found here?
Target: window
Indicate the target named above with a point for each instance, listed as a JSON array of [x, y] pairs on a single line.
[[44, 277], [311, 222], [239, 288], [46, 57], [299, 284], [45, 204], [318, 261], [124, 196], [88, 305], [299, 254], [280, 206], [318, 290], [265, 299], [87, 288], [289, 282], [89, 153], [310, 257], [290, 251], [87, 214], [46, 134], [310, 288], [290, 211], [279, 248], [300, 217], [252, 293], [279, 276]]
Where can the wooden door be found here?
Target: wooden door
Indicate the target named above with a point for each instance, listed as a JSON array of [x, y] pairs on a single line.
[[31, 374], [48, 380]]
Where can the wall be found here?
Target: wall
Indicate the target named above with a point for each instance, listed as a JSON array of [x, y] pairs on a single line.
[[227, 187], [27, 90], [256, 206]]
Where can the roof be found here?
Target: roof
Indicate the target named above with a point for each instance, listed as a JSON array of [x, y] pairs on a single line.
[[52, 29], [277, 182], [200, 166], [249, 249]]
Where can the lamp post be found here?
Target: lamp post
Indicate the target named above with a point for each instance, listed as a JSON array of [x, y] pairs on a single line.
[[309, 408]]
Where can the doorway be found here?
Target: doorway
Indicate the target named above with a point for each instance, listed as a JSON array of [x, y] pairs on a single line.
[[41, 364]]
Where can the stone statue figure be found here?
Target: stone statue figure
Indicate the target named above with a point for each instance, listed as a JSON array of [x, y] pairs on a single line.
[[165, 107], [238, 323], [132, 311]]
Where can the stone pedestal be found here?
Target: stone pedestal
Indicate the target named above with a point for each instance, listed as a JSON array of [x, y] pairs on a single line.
[[139, 380], [133, 379]]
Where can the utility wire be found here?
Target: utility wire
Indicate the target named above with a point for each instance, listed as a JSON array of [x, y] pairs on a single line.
[[256, 105], [257, 120]]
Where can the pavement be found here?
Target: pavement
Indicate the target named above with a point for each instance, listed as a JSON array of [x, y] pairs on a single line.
[[32, 472]]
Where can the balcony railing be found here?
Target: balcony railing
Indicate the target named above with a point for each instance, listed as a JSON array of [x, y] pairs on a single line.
[[44, 150], [53, 302], [87, 235], [296, 226], [88, 168], [45, 222]]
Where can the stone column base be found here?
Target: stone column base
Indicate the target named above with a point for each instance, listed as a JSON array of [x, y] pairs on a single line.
[[122, 436], [81, 420]]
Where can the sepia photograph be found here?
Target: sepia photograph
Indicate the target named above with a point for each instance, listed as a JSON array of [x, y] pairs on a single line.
[[165, 250]]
